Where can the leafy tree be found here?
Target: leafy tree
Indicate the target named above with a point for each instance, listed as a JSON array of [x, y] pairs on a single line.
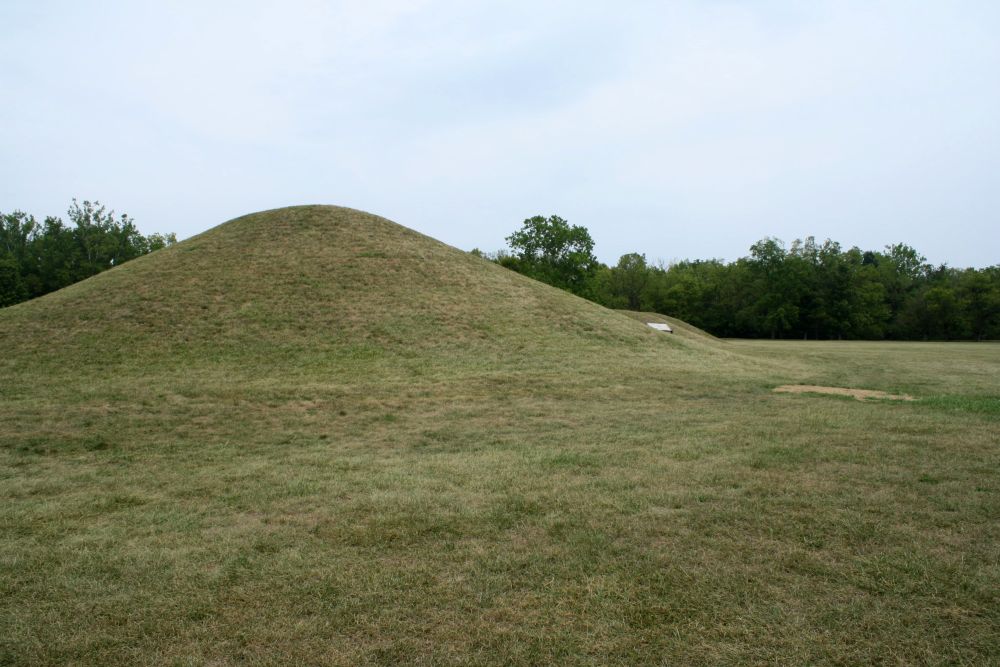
[[979, 292], [16, 231], [104, 240], [776, 310], [39, 258], [602, 290], [902, 268], [629, 279], [12, 288], [696, 289], [868, 312], [555, 252]]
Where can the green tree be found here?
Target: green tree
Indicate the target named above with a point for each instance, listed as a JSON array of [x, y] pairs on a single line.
[[902, 271], [555, 252], [868, 310], [629, 279], [103, 239], [602, 289], [979, 292], [12, 288], [775, 312], [41, 258], [16, 232]]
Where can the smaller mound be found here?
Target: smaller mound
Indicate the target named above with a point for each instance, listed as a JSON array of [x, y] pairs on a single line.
[[678, 326], [859, 394]]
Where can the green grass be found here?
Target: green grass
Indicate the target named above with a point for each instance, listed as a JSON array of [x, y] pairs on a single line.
[[312, 436]]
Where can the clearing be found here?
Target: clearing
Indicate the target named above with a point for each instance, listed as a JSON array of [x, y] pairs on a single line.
[[313, 436]]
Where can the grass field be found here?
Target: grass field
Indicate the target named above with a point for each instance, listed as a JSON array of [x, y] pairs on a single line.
[[311, 436]]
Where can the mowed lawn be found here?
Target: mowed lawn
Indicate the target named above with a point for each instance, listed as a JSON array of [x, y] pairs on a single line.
[[556, 484], [576, 510]]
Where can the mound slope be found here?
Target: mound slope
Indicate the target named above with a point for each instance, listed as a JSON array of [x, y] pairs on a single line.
[[680, 327]]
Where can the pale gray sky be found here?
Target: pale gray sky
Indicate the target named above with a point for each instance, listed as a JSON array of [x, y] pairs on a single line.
[[678, 129]]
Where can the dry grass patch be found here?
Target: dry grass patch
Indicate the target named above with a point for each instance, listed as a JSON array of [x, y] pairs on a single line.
[[859, 394]]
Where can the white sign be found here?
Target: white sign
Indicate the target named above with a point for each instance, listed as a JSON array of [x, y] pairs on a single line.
[[660, 327]]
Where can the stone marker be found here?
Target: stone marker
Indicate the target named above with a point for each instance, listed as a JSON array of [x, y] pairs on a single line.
[[660, 327]]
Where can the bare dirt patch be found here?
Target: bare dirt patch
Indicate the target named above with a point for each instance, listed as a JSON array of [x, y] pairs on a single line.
[[860, 394]]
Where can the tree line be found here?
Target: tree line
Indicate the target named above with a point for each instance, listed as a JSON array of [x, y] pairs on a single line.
[[40, 257], [805, 290]]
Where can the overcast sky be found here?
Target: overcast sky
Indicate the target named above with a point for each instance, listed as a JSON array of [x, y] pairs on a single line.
[[679, 129]]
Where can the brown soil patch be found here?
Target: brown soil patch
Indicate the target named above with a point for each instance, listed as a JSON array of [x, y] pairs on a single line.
[[860, 394]]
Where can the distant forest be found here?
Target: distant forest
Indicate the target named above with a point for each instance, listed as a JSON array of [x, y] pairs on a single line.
[[807, 290], [40, 257]]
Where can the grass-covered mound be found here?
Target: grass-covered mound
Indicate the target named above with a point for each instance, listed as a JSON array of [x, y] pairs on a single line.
[[305, 285], [313, 436]]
